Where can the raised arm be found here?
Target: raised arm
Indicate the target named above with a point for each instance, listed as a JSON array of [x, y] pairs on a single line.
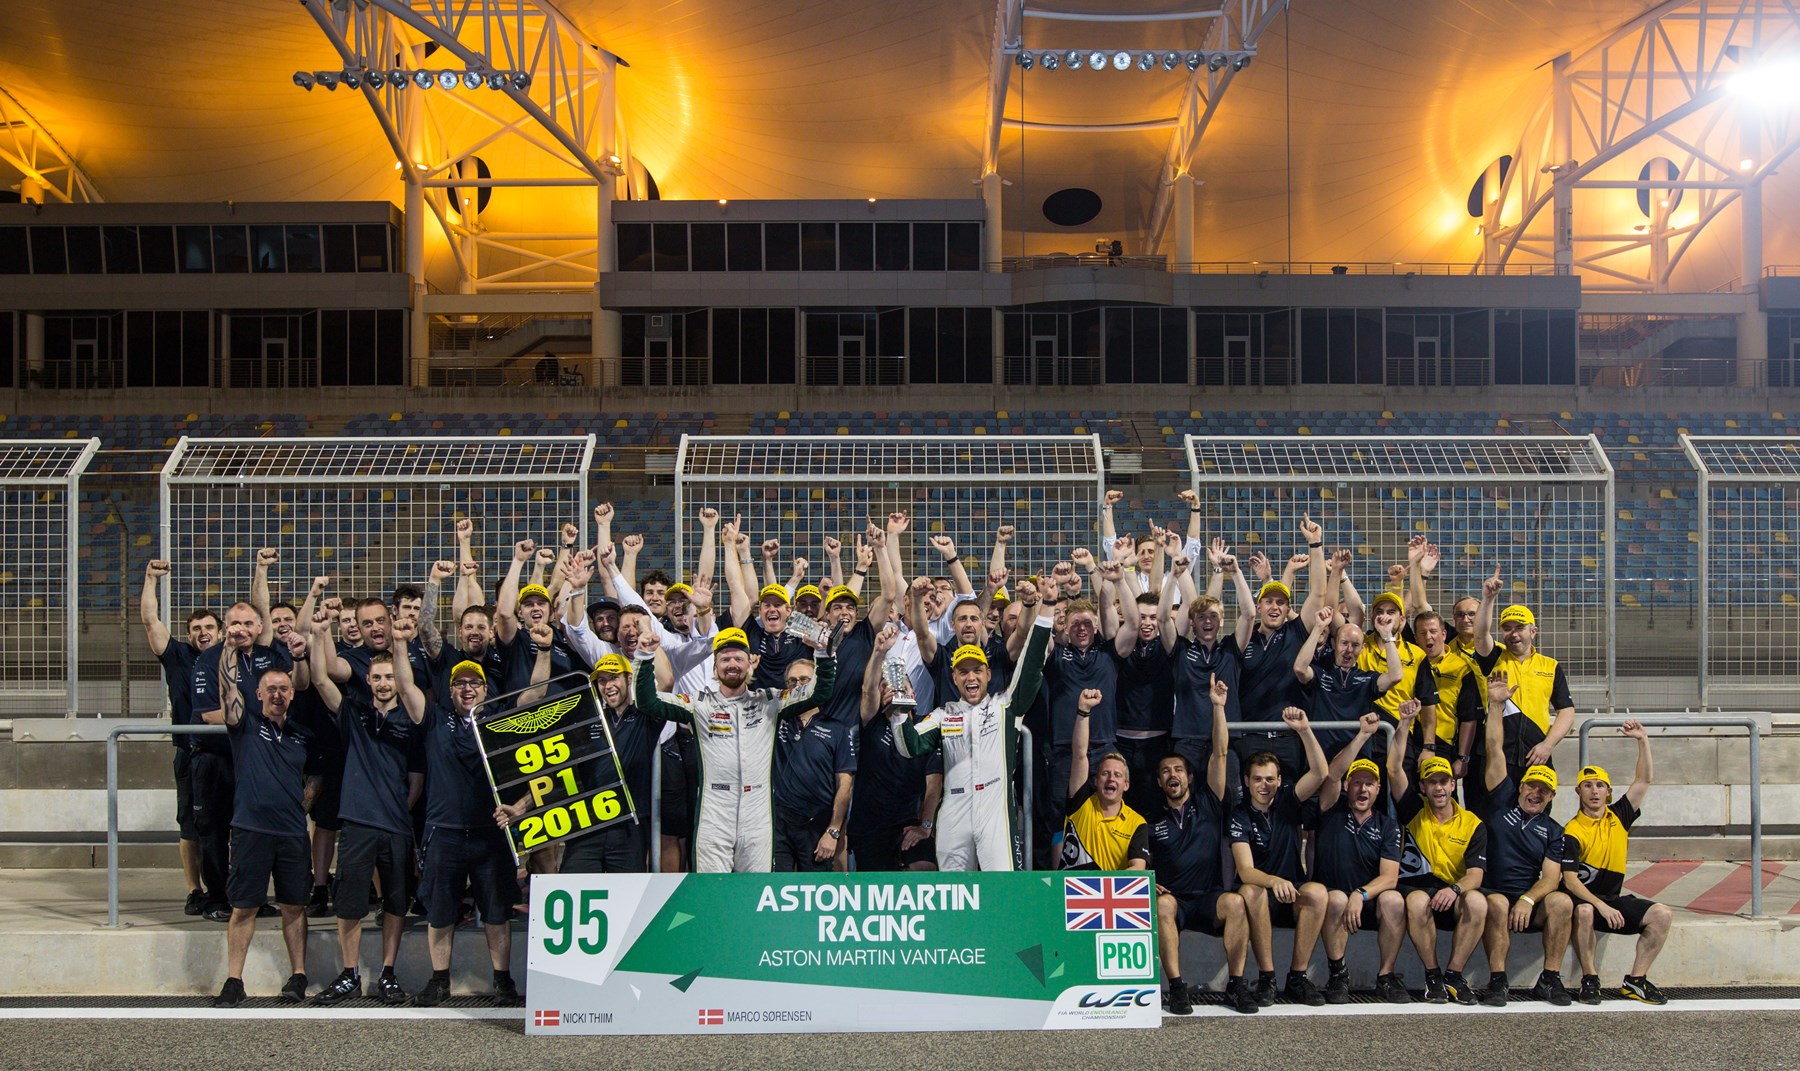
[[1398, 782], [628, 565], [705, 564], [1002, 536], [1366, 728], [1029, 673], [873, 678], [1499, 693], [429, 634], [149, 607], [1078, 739], [953, 564], [1644, 775], [1169, 629], [259, 590], [468, 571], [1026, 594], [1484, 615], [834, 561], [918, 620], [1303, 662], [1220, 694], [1316, 594], [603, 518], [771, 548], [411, 698], [1109, 527], [1395, 671], [506, 603], [319, 654], [1317, 767]]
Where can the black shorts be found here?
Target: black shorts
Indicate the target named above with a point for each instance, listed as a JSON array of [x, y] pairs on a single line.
[[1537, 913], [878, 849], [1634, 908], [1445, 921], [679, 767], [460, 860], [795, 840], [614, 850], [1200, 913], [184, 794], [256, 857], [325, 804], [363, 852]]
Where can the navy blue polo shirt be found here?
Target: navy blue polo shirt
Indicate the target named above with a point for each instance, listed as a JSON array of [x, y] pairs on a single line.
[[1193, 668], [204, 695], [271, 773], [379, 751], [458, 793], [1273, 835], [493, 663], [889, 787], [1518, 843], [1186, 844], [777, 651], [1349, 853], [361, 657], [1146, 688], [1069, 673], [1338, 695], [520, 657], [1267, 683], [853, 653], [634, 735], [808, 757], [177, 660]]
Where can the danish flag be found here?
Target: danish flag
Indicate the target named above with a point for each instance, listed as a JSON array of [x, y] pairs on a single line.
[[548, 1018], [1106, 903], [712, 1017]]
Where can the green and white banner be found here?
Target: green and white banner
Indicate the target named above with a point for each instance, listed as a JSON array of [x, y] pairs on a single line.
[[780, 953]]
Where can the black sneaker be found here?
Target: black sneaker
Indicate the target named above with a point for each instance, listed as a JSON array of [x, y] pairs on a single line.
[[1240, 997], [1392, 988], [1301, 990], [433, 994], [1550, 988], [1177, 1001], [295, 990], [346, 986], [1590, 989], [231, 994], [320, 905], [1458, 988], [1435, 990], [507, 995], [1264, 990], [1495, 995], [1337, 988], [1642, 989], [217, 913], [387, 989], [196, 903]]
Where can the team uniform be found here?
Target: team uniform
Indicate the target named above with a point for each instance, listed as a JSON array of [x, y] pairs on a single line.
[[177, 661], [1595, 849], [734, 816], [1192, 667], [1518, 844], [977, 823], [776, 651], [1416, 682], [462, 850], [1274, 840], [1069, 673], [1350, 853], [1146, 713], [268, 822], [809, 756], [1265, 687], [381, 750], [1186, 849], [1542, 690], [1438, 854], [214, 767], [619, 849], [1093, 841], [886, 797], [1337, 694]]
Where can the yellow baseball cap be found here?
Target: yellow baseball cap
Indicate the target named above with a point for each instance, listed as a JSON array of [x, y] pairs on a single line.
[[809, 589], [1543, 775], [1000, 596], [1388, 596], [841, 592], [612, 663], [1363, 766], [968, 652], [529, 590], [1435, 765], [1274, 587], [1520, 615], [677, 589], [731, 637], [1594, 773], [774, 591], [466, 666]]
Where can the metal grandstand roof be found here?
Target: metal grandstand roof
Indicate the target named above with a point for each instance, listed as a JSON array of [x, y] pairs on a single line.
[[908, 459], [1744, 458], [44, 461], [347, 460], [1305, 458]]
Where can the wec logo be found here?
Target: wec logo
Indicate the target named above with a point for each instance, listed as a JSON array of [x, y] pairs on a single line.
[[1124, 998]]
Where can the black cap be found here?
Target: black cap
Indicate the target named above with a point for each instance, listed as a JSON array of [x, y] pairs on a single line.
[[603, 603]]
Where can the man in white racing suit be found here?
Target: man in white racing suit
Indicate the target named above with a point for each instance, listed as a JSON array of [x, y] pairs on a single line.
[[734, 816], [977, 822]]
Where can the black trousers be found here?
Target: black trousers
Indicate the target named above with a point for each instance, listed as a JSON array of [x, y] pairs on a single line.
[[215, 788]]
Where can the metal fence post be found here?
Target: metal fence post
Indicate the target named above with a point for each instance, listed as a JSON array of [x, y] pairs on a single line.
[[112, 798], [1027, 754]]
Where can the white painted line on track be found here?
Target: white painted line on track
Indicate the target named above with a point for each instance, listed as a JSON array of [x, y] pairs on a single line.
[[1517, 1007]]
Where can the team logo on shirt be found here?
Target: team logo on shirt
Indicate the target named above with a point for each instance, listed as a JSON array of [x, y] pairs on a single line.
[[535, 721]]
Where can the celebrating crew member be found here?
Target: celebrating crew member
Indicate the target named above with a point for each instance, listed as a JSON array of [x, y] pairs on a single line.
[[1100, 832], [1337, 687], [816, 760], [1596, 843], [894, 801], [1540, 712], [1358, 846], [206, 883]]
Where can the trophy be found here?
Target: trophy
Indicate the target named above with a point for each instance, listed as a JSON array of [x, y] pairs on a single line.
[[893, 674], [814, 633]]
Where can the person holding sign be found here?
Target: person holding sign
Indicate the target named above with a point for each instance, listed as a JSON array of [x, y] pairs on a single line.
[[977, 826], [734, 821], [381, 740]]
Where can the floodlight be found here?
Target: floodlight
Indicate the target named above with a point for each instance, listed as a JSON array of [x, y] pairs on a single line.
[[423, 79], [303, 80], [1121, 60], [447, 79]]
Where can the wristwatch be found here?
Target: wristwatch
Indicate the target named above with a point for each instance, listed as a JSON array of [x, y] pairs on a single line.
[[927, 825], [834, 833]]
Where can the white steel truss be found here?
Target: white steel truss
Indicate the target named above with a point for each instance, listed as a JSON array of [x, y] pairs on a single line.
[[1648, 110], [39, 158], [564, 119]]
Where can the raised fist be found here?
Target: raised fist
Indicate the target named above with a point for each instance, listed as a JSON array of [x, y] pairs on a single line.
[[469, 568], [1088, 700], [832, 546], [919, 588], [1180, 565], [708, 516], [1082, 557], [1005, 533], [1369, 723], [1191, 497], [267, 556], [403, 629], [1294, 716], [944, 545], [545, 556], [1322, 617], [156, 569], [603, 512], [333, 604], [633, 542], [570, 534], [465, 529], [543, 635], [898, 522], [524, 549], [319, 584], [771, 547], [1113, 498], [1409, 710], [886, 638], [440, 571]]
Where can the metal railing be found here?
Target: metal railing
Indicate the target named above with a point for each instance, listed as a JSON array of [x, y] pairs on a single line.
[[112, 798], [1753, 732]]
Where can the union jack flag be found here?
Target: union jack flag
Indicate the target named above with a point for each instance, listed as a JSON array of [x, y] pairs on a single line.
[[1106, 903]]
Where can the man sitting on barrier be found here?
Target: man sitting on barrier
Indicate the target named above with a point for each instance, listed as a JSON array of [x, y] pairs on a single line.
[[1265, 846], [1358, 846], [1525, 852], [1187, 853], [978, 825], [1446, 858], [1596, 842], [735, 726]]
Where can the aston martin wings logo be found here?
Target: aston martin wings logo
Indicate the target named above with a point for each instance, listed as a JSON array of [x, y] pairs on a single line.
[[532, 721]]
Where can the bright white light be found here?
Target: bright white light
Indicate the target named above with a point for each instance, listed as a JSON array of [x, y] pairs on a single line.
[[1769, 82], [1097, 60], [1121, 60]]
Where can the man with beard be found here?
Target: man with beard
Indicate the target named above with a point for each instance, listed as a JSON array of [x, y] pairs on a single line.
[[734, 725], [1525, 853], [206, 886], [816, 760], [1185, 852], [1358, 848], [381, 738], [1336, 687], [516, 612], [894, 802], [977, 825]]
